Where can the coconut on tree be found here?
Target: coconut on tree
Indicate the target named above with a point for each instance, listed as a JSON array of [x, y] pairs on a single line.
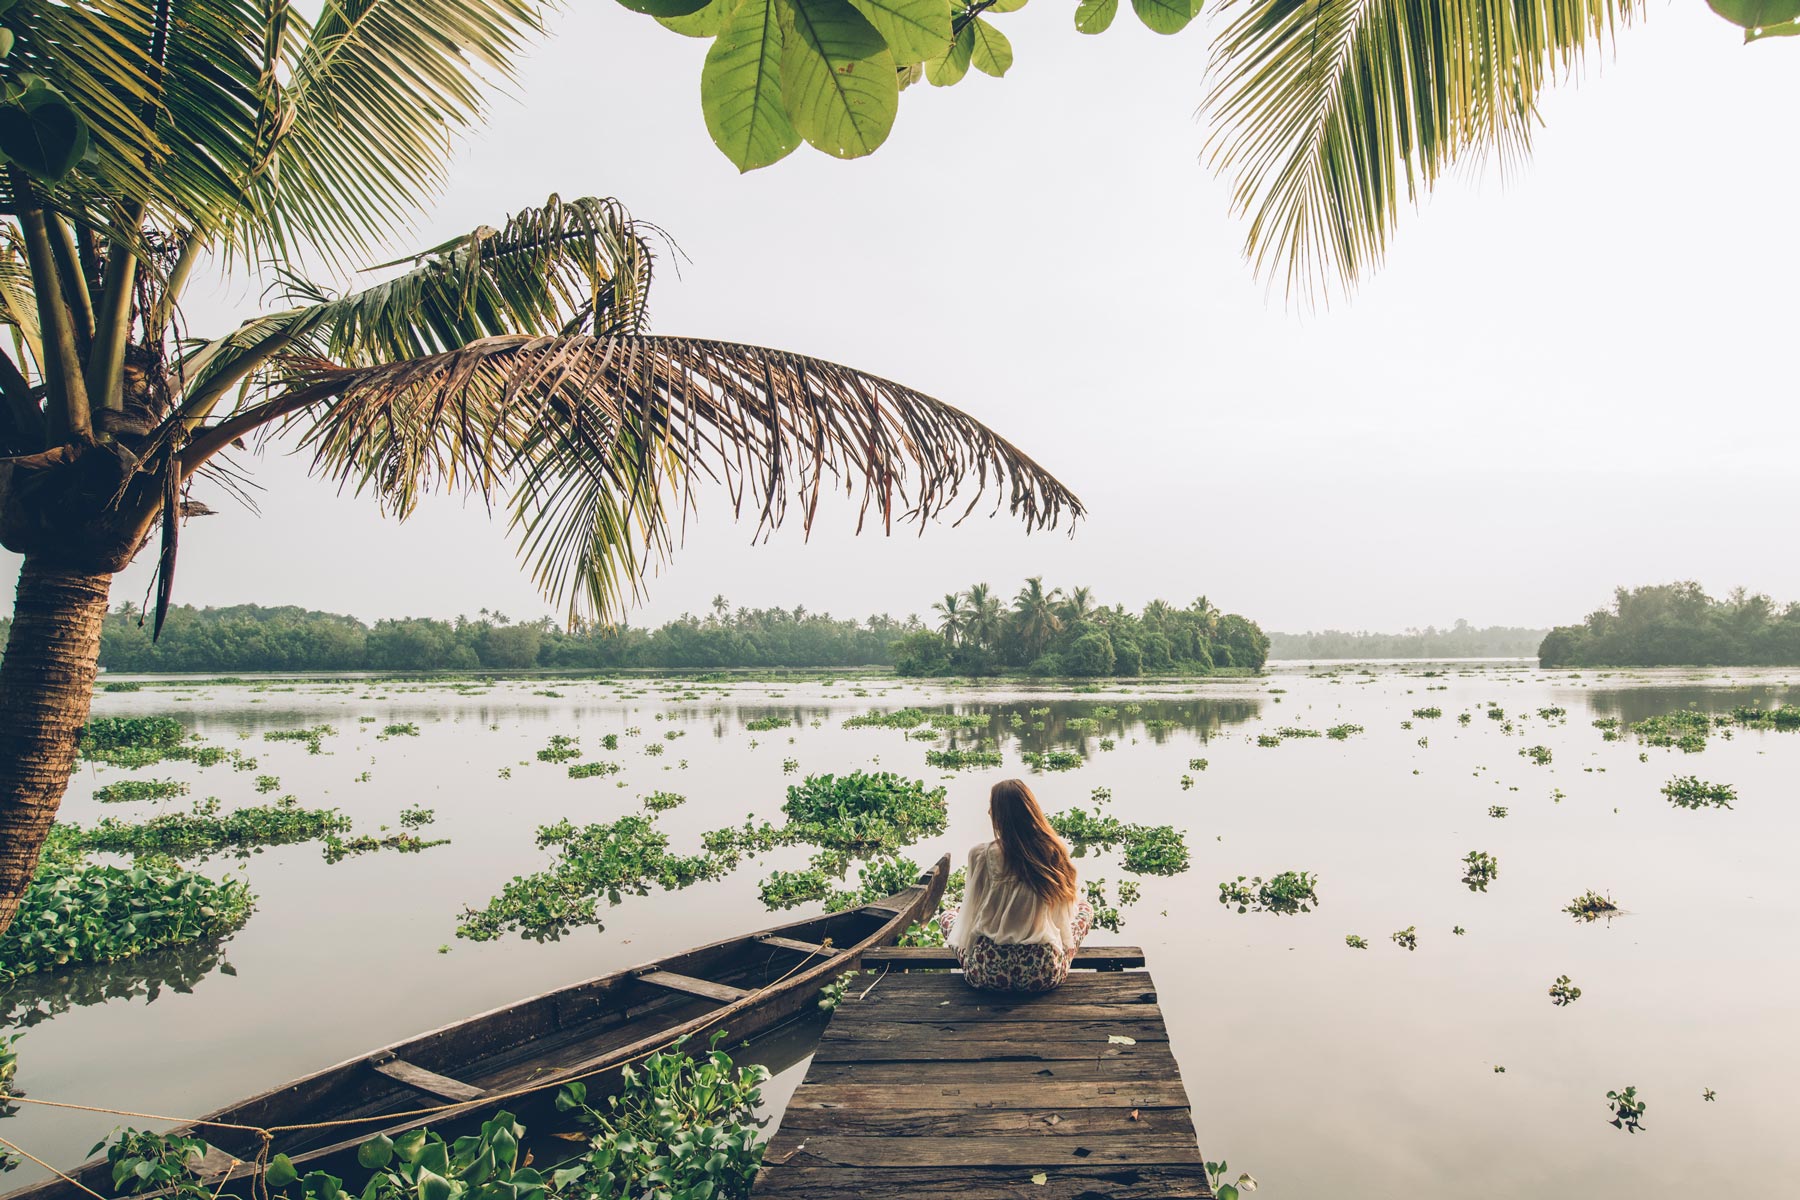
[[171, 138]]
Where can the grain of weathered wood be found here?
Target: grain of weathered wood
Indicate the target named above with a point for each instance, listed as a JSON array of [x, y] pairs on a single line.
[[995, 1150], [1073, 1121], [429, 1082], [1014, 1074], [1003, 1183], [787, 943], [925, 1087], [723, 993]]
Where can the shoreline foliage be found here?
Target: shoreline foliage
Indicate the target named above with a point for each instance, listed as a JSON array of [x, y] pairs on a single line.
[[1678, 624]]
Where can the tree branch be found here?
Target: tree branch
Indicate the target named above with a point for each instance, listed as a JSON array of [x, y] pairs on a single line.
[[68, 266]]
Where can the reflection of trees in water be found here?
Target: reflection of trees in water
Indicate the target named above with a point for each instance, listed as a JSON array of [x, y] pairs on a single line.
[[1631, 705], [42, 995], [1153, 720]]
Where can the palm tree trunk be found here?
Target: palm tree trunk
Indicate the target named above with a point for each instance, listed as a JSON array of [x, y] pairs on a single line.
[[46, 686]]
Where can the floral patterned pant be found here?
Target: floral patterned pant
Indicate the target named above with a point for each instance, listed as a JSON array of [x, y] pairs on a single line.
[[1014, 968]]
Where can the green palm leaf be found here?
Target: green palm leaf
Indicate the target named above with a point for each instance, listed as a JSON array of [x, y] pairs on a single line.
[[1332, 112]]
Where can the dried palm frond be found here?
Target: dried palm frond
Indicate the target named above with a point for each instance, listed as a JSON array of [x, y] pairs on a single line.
[[600, 441]]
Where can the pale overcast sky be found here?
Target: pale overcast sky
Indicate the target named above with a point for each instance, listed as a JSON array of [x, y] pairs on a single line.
[[1573, 377]]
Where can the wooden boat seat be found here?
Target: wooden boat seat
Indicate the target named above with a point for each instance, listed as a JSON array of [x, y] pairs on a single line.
[[786, 943], [429, 1082], [724, 993]]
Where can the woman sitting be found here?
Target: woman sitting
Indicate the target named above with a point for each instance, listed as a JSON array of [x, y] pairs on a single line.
[[1020, 921]]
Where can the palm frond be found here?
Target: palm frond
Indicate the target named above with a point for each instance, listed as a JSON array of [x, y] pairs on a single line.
[[379, 90], [1331, 113], [570, 266], [602, 444]]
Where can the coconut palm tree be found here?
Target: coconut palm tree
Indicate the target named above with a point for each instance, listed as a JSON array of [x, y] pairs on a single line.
[[1332, 114], [513, 362], [986, 624], [1034, 616], [952, 617], [1077, 606]]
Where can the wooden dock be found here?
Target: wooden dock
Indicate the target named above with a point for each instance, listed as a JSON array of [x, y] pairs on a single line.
[[926, 1087]]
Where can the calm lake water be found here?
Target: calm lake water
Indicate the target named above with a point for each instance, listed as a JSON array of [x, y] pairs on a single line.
[[1321, 1069]]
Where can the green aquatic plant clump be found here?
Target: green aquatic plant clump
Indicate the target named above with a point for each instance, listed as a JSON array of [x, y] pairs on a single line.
[[1690, 791], [1479, 869], [788, 889], [953, 759], [1537, 754], [1782, 716], [128, 791], [1288, 893], [900, 718], [685, 1128], [765, 724], [862, 813], [562, 748], [1053, 760], [875, 881], [606, 860], [1590, 906], [1685, 730], [205, 831], [76, 912], [664, 801], [313, 737], [592, 770], [1149, 849], [1340, 733], [113, 739]]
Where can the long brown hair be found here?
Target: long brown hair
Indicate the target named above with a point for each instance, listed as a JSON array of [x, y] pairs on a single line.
[[1029, 848]]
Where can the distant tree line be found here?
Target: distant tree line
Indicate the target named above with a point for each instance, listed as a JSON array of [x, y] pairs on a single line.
[[1056, 633], [1678, 624], [250, 637], [1043, 632], [1461, 640]]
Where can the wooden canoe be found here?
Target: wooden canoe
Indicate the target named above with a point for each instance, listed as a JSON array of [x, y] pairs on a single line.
[[744, 985]]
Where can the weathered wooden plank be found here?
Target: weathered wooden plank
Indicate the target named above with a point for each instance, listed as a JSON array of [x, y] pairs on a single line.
[[1002, 1183], [787, 943], [958, 1026], [429, 1082], [1050, 1093], [1087, 987], [1131, 1149], [722, 992], [1023, 1074], [930, 1051], [1087, 958], [908, 1009], [1022, 1123]]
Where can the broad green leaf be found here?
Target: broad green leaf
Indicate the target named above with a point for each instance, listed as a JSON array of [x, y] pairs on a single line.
[[1756, 14], [948, 70], [376, 1153], [911, 74], [42, 133], [1227, 1192], [1166, 16], [1094, 16], [666, 8], [706, 22], [992, 54], [410, 1145], [740, 89], [837, 78], [433, 1186], [280, 1172], [1006, 5], [915, 29], [1785, 29]]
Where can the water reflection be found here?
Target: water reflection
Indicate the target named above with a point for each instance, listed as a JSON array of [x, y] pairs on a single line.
[[1631, 705], [38, 997]]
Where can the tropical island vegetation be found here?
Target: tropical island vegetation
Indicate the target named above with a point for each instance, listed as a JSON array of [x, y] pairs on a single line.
[[1678, 624], [1041, 632], [1056, 633], [1461, 640]]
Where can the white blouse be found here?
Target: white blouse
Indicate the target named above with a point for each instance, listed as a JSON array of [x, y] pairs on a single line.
[[998, 904]]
